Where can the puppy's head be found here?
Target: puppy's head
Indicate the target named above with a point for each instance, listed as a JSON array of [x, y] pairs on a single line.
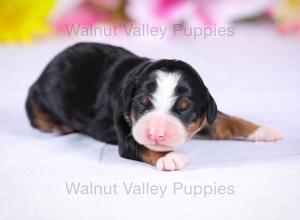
[[167, 103]]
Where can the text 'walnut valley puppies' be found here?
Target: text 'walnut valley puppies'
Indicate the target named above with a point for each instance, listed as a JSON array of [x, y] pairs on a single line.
[[147, 108]]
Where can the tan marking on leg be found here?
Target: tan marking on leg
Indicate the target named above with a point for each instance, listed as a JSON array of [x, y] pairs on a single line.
[[45, 122], [229, 127], [151, 157], [65, 129], [42, 120]]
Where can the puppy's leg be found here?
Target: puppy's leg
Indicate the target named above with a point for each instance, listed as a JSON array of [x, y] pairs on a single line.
[[46, 122], [41, 118], [167, 161], [130, 149], [229, 127]]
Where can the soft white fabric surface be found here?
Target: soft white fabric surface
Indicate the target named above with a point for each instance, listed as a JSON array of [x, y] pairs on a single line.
[[254, 75]]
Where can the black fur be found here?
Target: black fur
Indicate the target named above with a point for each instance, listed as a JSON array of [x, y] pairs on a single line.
[[95, 87]]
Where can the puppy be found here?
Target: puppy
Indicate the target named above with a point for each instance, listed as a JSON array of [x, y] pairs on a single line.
[[146, 107]]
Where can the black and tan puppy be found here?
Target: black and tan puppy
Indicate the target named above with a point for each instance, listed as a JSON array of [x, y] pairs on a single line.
[[146, 107]]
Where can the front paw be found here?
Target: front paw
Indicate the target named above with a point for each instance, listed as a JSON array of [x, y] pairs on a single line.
[[265, 134], [171, 161]]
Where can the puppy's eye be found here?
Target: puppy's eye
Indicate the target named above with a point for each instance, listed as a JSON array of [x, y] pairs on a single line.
[[144, 99], [182, 103]]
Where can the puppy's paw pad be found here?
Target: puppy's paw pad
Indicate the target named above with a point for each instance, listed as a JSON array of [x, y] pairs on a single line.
[[265, 134], [171, 161]]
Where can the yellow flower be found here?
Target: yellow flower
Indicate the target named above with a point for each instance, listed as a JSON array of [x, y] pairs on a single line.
[[21, 20], [287, 13]]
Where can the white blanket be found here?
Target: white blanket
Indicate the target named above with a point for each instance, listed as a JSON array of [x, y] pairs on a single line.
[[254, 75]]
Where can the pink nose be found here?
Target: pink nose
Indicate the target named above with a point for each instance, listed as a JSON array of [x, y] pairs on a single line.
[[156, 136]]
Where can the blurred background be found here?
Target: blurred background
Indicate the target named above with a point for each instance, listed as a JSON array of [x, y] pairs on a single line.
[[32, 20], [247, 53]]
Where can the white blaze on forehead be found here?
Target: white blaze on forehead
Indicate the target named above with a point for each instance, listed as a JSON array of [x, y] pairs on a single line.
[[164, 97]]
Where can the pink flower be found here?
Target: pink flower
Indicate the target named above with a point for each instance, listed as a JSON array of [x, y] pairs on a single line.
[[88, 12], [194, 12]]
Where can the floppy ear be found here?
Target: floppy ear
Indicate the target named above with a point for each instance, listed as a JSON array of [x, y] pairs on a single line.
[[212, 109], [127, 92], [128, 87]]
